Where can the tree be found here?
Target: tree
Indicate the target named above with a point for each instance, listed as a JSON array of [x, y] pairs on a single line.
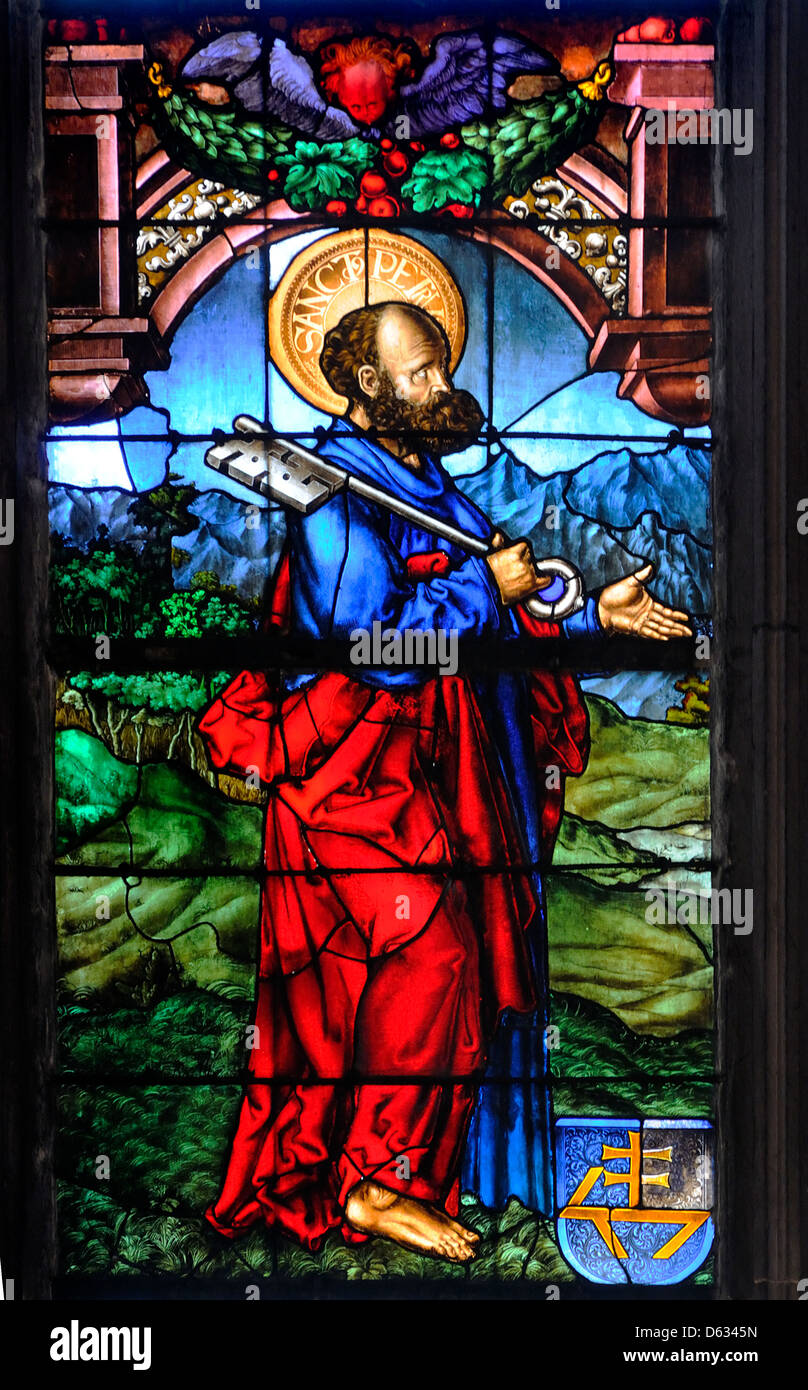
[[114, 701], [695, 706]]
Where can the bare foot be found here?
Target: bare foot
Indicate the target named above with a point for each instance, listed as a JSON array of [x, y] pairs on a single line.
[[377, 1211]]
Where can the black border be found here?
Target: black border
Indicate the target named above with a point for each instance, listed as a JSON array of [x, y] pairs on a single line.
[[760, 660]]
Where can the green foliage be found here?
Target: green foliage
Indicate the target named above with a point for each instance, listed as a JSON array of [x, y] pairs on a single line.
[[641, 1097], [245, 149], [446, 176], [123, 591], [97, 589], [164, 512], [203, 1031], [209, 581], [193, 613], [694, 709], [534, 137], [593, 1042], [316, 173], [116, 588], [176, 820], [530, 139], [157, 690], [169, 1142], [191, 1033], [172, 499]]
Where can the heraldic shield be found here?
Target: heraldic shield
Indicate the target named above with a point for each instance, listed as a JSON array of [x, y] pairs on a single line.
[[634, 1198]]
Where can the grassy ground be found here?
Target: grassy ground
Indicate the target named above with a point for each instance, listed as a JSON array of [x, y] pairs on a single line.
[[165, 1143], [151, 1061]]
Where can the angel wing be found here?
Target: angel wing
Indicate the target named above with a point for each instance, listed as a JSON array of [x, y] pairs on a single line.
[[460, 81], [234, 59], [282, 86]]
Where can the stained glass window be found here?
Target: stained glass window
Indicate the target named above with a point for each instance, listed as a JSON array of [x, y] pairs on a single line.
[[379, 486], [410, 893]]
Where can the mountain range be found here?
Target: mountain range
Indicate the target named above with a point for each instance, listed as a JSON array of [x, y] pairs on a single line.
[[607, 517], [610, 515]]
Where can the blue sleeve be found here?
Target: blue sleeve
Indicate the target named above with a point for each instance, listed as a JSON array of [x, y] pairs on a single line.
[[346, 575], [584, 623]]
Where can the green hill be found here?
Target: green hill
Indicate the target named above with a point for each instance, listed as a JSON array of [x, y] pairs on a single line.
[[641, 772]]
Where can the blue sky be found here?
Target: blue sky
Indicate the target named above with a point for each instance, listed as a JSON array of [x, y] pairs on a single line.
[[219, 370]]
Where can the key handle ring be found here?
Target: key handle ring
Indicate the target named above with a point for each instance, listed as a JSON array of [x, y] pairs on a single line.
[[563, 597]]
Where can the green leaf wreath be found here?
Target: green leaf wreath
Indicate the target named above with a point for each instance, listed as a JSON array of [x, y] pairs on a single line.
[[529, 140]]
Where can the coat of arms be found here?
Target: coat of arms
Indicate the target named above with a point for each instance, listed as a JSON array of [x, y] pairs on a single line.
[[634, 1198]]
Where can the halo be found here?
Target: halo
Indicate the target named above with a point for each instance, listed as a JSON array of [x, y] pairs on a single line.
[[329, 278]]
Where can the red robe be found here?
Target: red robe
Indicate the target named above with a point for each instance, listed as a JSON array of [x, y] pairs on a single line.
[[393, 917]]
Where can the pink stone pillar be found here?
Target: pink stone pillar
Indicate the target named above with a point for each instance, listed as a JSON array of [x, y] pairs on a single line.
[[662, 346], [98, 343]]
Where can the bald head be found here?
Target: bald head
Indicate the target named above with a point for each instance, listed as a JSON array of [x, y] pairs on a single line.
[[411, 349], [392, 362], [393, 338]]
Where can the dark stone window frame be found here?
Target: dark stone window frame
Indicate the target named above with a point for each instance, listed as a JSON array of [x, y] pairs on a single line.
[[760, 670]]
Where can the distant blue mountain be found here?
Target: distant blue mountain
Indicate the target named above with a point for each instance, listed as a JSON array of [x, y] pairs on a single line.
[[618, 488], [223, 542], [610, 515], [607, 517]]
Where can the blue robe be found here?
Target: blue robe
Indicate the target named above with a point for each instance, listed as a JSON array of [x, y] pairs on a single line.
[[348, 569]]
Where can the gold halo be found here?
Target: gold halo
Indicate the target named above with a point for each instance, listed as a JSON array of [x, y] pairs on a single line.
[[327, 280]]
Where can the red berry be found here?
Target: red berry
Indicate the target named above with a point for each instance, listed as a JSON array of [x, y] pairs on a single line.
[[418, 146], [383, 207], [386, 144], [373, 184], [337, 207], [273, 175], [74, 30], [658, 30], [450, 141], [696, 31], [396, 163]]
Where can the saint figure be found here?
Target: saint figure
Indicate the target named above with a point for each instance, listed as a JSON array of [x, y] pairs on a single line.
[[408, 818]]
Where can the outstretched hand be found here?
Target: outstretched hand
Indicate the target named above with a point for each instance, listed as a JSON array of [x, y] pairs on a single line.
[[627, 607]]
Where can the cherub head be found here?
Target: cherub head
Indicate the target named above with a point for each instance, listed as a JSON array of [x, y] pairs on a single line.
[[363, 75]]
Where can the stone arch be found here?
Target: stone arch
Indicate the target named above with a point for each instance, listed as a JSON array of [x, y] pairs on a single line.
[[276, 221]]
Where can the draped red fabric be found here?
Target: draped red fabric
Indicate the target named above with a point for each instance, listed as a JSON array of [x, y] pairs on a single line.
[[560, 725], [378, 799]]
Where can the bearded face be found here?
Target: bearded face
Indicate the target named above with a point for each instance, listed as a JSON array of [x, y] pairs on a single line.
[[446, 423]]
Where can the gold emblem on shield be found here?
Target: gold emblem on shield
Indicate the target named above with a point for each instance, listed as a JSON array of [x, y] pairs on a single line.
[[333, 276]]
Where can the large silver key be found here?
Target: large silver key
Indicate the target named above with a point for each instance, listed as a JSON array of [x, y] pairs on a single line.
[[287, 473], [283, 472]]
